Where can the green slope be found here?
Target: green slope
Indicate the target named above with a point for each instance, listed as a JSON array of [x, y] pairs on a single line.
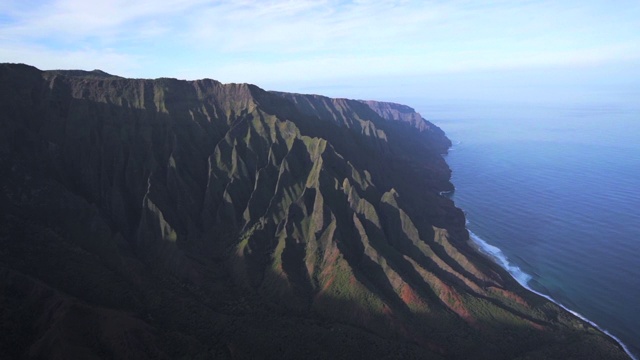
[[166, 218]]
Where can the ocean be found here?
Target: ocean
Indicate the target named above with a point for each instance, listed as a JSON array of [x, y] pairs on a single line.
[[552, 192]]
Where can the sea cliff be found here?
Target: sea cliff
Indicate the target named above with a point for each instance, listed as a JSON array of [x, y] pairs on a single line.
[[168, 218]]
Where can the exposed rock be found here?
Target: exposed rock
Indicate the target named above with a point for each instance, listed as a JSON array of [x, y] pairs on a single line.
[[167, 218]]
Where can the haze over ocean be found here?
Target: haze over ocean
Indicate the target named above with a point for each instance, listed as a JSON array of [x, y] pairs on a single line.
[[555, 188]]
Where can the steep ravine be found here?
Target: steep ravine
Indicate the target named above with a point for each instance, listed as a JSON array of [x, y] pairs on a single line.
[[166, 218]]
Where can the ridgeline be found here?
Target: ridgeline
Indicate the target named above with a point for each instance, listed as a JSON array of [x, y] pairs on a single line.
[[194, 219]]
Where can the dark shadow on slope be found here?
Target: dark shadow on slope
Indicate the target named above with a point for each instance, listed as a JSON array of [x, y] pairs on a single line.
[[69, 234]]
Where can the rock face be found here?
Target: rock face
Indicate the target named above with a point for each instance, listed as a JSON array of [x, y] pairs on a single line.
[[165, 218], [404, 114]]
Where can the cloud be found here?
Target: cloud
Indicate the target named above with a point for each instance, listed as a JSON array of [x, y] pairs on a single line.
[[77, 19], [280, 40], [291, 28]]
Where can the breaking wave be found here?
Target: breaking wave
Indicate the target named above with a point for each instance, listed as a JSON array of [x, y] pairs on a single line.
[[523, 278]]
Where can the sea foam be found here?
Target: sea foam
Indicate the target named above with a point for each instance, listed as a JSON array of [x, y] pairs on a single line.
[[523, 278], [499, 257]]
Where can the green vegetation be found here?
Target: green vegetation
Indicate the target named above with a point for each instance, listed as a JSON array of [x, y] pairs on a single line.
[[173, 219]]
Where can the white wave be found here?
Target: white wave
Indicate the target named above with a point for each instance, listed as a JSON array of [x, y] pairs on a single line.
[[495, 253], [624, 347], [454, 145], [523, 278]]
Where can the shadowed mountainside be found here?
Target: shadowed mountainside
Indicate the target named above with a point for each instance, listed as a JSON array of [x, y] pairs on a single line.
[[166, 218]]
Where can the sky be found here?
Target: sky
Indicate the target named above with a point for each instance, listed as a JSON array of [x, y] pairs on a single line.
[[388, 50]]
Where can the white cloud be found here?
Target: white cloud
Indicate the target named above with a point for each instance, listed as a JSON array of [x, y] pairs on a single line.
[[312, 26], [79, 19], [265, 41]]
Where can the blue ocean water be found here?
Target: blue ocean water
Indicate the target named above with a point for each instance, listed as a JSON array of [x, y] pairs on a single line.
[[554, 193]]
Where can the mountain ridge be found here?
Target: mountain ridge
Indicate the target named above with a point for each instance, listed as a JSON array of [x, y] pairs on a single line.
[[222, 220]]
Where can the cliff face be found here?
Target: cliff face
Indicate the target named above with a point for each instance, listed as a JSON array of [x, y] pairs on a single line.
[[165, 218], [403, 113]]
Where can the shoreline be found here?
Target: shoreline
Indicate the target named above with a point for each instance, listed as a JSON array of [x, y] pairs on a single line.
[[496, 255]]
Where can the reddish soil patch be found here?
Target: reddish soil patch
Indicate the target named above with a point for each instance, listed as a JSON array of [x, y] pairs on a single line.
[[328, 283], [352, 280], [511, 296], [453, 300], [409, 296], [537, 326]]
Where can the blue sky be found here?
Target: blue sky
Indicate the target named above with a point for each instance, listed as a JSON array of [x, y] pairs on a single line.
[[476, 50]]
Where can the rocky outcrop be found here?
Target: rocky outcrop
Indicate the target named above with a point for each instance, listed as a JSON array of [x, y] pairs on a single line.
[[167, 218], [402, 113]]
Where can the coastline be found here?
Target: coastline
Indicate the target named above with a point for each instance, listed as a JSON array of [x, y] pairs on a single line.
[[496, 255]]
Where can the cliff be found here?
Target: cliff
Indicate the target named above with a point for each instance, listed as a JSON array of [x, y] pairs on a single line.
[[166, 218]]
